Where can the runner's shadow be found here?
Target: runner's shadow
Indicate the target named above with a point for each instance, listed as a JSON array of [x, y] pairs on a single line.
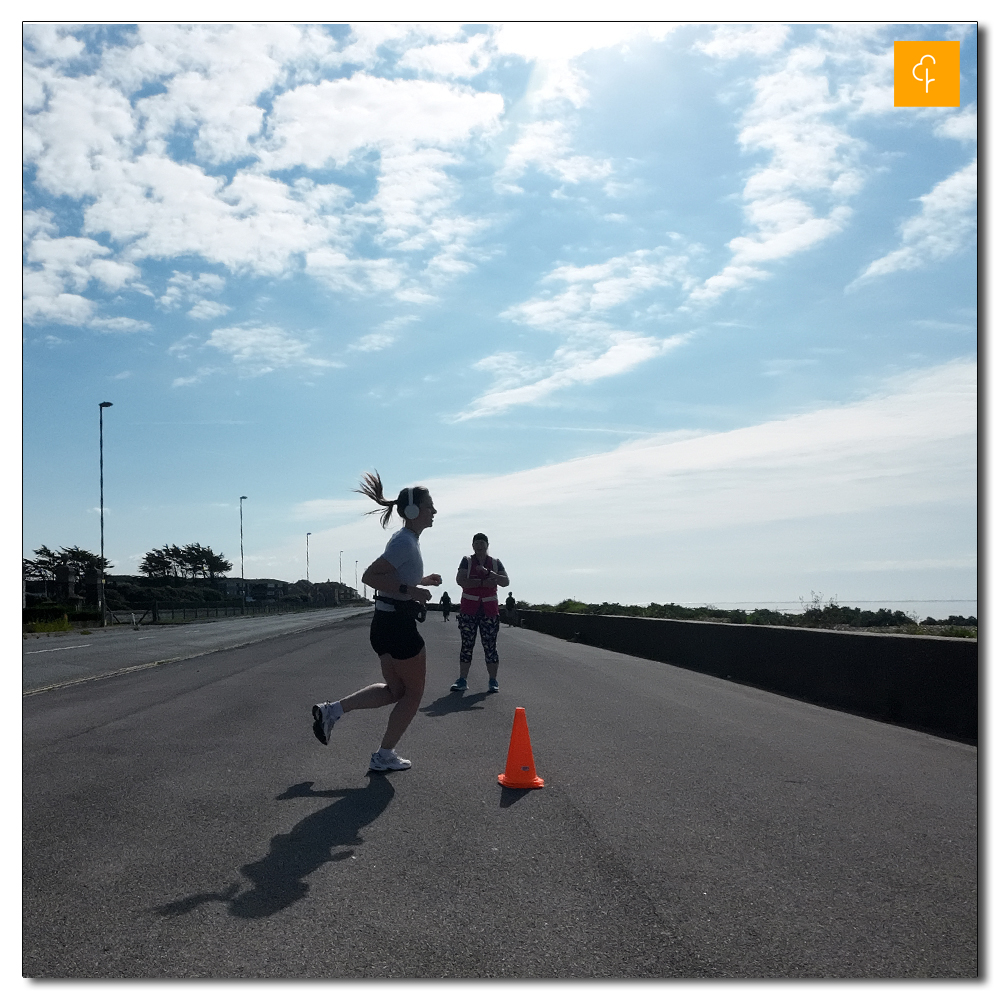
[[278, 878], [455, 702]]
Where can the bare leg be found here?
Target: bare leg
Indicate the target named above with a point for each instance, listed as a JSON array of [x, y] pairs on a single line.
[[405, 679], [373, 696]]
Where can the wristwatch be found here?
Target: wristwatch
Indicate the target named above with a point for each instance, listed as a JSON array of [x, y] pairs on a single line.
[[403, 589]]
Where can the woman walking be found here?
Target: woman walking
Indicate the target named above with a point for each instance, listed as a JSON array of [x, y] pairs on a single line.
[[397, 577], [479, 575]]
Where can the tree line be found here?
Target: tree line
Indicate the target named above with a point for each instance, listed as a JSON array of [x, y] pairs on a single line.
[[46, 562], [177, 561], [181, 561], [815, 615]]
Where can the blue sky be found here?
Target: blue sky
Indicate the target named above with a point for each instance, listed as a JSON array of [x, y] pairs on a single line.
[[673, 313]]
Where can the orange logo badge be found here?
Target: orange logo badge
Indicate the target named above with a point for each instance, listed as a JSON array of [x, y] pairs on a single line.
[[926, 74]]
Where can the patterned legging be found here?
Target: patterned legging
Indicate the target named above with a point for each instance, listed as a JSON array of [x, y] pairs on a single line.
[[488, 628]]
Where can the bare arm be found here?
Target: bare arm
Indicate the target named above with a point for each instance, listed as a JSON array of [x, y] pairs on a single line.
[[382, 576]]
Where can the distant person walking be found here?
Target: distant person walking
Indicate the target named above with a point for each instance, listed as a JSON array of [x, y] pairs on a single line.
[[397, 577], [479, 575], [511, 606], [445, 605]]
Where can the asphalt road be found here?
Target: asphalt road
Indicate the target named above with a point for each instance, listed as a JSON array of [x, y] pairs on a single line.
[[55, 659], [182, 821]]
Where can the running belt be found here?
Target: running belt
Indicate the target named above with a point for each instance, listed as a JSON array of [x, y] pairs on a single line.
[[387, 603]]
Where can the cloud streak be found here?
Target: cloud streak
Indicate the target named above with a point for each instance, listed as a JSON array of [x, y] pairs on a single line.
[[798, 198], [581, 312], [717, 512], [944, 226], [257, 350]]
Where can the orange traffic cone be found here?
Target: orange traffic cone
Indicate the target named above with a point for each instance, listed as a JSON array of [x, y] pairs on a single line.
[[520, 771]]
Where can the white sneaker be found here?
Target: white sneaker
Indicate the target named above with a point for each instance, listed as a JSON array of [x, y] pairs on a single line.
[[323, 722], [387, 760]]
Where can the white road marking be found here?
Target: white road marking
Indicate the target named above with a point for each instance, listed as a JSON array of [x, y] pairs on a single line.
[[33, 652]]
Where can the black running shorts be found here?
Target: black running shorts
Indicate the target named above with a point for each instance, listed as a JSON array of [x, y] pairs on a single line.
[[396, 634]]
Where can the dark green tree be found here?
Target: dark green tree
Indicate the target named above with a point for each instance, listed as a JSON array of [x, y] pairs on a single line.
[[156, 563], [193, 561], [43, 566]]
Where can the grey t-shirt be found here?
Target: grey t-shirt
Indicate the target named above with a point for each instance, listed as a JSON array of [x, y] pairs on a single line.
[[403, 554]]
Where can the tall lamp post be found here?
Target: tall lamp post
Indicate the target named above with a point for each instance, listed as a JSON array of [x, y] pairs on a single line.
[[308, 533], [100, 596], [243, 580], [342, 567], [355, 578]]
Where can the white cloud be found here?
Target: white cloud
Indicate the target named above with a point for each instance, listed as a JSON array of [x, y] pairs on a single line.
[[87, 141], [317, 125], [844, 458], [552, 46], [731, 40], [185, 287], [86, 126], [214, 75], [945, 225], [459, 60], [415, 197], [373, 342], [59, 270], [596, 288], [557, 81], [962, 126], [257, 350], [345, 274], [208, 309], [46, 42], [546, 145], [593, 346], [119, 324], [384, 335], [839, 493], [568, 366], [797, 199], [194, 379]]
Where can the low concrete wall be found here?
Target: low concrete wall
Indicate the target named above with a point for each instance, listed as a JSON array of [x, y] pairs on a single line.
[[925, 682]]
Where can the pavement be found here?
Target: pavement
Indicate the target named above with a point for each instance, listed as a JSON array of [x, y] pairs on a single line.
[[183, 822], [55, 659]]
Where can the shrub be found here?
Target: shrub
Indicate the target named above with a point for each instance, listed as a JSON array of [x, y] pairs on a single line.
[[59, 625]]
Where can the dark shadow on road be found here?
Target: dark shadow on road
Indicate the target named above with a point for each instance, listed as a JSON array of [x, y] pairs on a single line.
[[510, 796], [278, 879], [454, 701]]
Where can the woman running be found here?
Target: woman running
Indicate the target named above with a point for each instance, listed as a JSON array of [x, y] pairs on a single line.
[[478, 576], [397, 576]]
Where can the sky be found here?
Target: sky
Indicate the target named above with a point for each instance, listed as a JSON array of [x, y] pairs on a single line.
[[671, 312]]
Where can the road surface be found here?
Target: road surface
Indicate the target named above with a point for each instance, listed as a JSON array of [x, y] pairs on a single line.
[[182, 821]]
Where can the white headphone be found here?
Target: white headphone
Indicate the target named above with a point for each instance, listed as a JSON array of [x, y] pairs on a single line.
[[411, 510]]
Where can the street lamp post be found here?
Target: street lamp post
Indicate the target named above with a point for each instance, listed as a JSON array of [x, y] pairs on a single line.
[[100, 596], [308, 533], [341, 567], [243, 579], [355, 577]]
